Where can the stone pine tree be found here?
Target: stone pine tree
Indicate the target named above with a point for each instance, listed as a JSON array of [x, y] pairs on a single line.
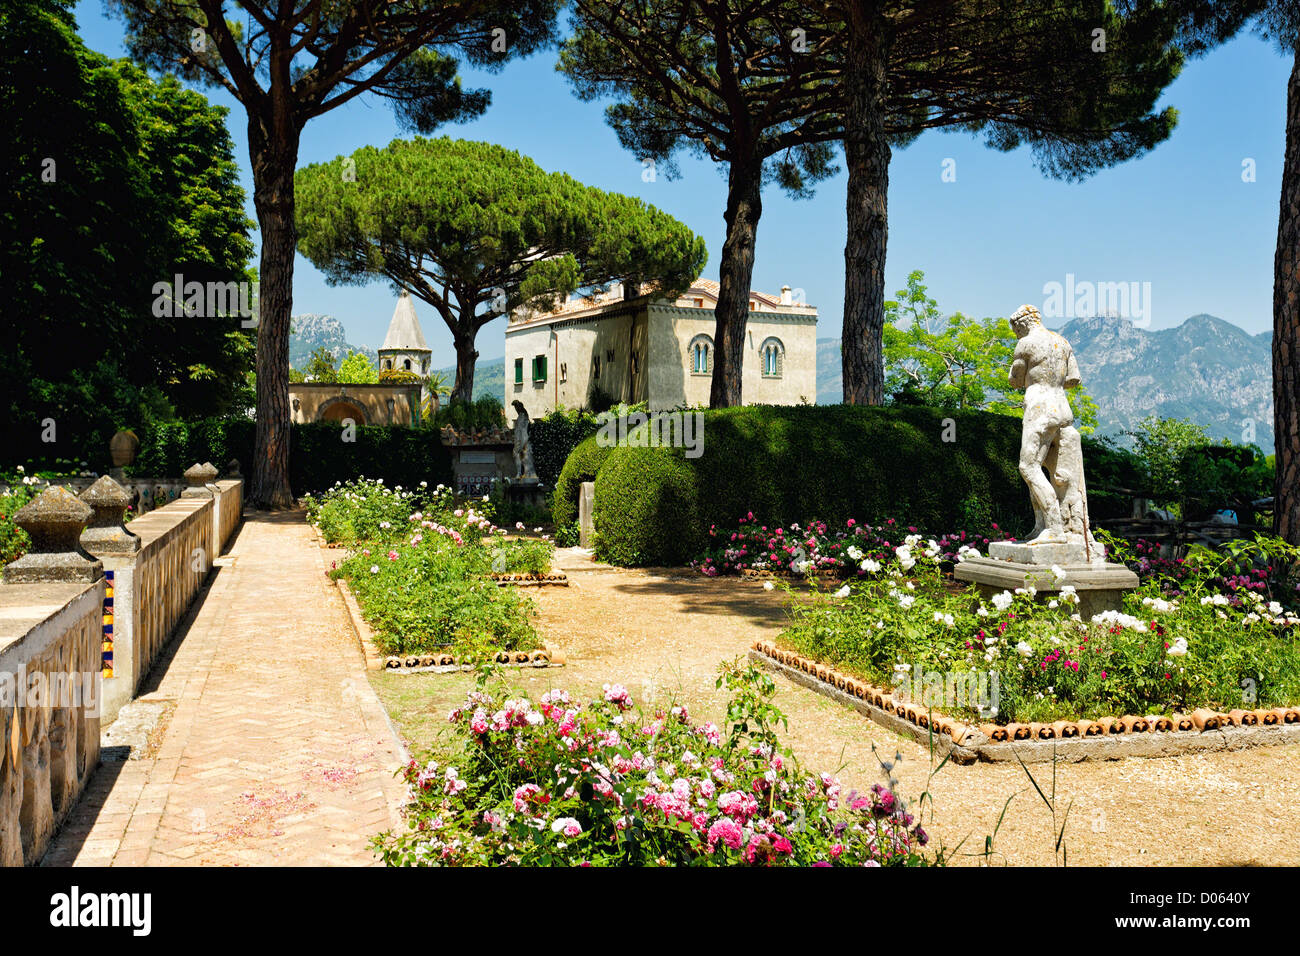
[[736, 81], [477, 230], [1076, 81], [1280, 21], [287, 61]]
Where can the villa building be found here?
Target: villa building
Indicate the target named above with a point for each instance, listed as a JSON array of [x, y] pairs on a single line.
[[654, 350]]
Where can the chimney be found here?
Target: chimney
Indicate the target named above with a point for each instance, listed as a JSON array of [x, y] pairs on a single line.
[[786, 297]]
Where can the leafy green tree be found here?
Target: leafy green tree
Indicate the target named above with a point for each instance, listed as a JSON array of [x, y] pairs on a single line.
[[1076, 80], [1162, 444], [320, 367], [723, 79], [953, 361], [115, 182], [288, 61], [477, 230], [357, 369]]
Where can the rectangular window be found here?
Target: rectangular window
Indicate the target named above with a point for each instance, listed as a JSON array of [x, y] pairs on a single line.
[[539, 369], [519, 371]]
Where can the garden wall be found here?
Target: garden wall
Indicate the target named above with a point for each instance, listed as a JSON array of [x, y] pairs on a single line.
[[47, 751]]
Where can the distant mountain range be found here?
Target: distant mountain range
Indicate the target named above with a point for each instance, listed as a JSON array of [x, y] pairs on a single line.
[[310, 332], [1206, 370]]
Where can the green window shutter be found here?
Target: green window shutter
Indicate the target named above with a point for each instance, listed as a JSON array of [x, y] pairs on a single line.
[[519, 371], [539, 368]]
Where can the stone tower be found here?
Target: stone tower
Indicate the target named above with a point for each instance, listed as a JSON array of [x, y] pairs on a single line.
[[404, 348]]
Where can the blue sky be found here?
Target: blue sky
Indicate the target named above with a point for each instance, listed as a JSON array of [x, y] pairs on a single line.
[[1180, 218]]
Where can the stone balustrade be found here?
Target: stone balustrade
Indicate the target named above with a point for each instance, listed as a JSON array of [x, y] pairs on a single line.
[[84, 615], [51, 627]]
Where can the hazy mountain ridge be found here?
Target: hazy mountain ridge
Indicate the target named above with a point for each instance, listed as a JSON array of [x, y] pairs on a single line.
[[1206, 370], [311, 331]]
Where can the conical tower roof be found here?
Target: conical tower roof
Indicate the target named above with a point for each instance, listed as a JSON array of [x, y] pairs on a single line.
[[404, 331]]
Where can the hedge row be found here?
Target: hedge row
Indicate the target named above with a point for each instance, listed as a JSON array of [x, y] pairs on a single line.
[[554, 438], [318, 456], [802, 463]]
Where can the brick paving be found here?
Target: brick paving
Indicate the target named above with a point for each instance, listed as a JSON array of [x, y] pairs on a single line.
[[276, 751]]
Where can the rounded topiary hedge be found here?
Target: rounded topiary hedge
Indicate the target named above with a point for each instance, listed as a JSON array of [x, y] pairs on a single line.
[[800, 463], [581, 465]]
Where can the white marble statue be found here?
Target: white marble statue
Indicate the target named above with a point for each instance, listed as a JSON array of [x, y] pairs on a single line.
[[1044, 366], [523, 447]]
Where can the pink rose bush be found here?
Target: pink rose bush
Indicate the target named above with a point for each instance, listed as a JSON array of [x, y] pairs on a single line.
[[851, 550], [557, 782]]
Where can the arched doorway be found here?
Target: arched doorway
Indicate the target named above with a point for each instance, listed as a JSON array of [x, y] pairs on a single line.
[[337, 409]]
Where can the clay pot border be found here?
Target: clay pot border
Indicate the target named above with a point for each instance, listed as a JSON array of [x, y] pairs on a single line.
[[960, 734]]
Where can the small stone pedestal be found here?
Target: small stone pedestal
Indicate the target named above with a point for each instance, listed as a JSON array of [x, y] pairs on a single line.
[[199, 477], [1100, 585], [53, 520], [524, 491]]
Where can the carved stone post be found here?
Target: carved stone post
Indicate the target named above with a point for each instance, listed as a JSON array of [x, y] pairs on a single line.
[[106, 533], [53, 520], [198, 476]]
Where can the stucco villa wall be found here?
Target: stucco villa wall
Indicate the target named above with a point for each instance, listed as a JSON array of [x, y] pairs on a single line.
[[312, 402], [580, 343]]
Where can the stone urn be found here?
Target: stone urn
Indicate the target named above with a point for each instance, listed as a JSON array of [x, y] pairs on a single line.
[[123, 447], [53, 521]]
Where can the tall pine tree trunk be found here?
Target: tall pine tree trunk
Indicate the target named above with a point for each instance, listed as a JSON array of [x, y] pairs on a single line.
[[735, 275], [273, 149], [1286, 328], [466, 356], [866, 154]]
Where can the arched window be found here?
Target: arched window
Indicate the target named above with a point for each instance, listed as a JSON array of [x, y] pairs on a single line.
[[406, 364], [699, 355], [388, 363], [772, 353]]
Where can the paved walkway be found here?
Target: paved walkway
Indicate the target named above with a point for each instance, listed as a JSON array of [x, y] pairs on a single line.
[[271, 747]]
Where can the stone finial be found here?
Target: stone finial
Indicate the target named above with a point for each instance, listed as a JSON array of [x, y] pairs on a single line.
[[106, 534], [53, 520], [198, 476]]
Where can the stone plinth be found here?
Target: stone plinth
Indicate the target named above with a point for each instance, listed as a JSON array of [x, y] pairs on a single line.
[[106, 534], [586, 515], [53, 520], [1048, 553], [1100, 585], [524, 491]]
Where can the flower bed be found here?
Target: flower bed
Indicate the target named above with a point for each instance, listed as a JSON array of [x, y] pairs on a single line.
[[420, 565], [605, 784], [1205, 639], [850, 551]]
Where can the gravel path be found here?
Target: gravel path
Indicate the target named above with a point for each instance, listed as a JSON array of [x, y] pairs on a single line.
[[663, 634]]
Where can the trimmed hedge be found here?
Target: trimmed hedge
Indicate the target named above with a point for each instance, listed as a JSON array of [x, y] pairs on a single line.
[[582, 465], [317, 455], [802, 463], [554, 438]]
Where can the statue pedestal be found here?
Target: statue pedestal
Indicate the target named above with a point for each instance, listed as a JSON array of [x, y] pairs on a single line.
[[1100, 585], [1048, 553], [525, 491]]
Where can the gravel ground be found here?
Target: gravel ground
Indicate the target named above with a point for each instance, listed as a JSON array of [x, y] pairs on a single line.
[[663, 633]]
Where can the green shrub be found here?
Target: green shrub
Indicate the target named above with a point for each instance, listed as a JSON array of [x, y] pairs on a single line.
[[484, 412], [554, 438], [635, 528], [581, 465], [317, 455], [803, 463]]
